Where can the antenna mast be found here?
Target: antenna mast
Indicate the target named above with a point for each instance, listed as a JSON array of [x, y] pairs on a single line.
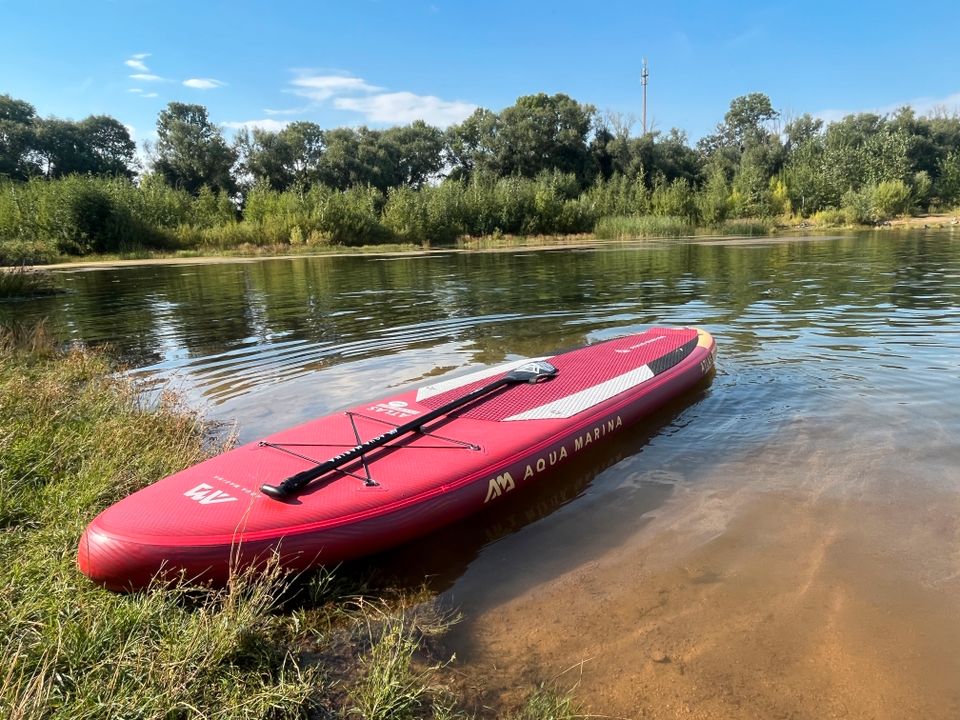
[[644, 74]]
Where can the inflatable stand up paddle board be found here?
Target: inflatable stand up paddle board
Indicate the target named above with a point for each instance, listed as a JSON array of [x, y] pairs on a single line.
[[362, 480]]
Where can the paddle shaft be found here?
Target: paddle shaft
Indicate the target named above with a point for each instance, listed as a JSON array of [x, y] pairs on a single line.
[[295, 482]]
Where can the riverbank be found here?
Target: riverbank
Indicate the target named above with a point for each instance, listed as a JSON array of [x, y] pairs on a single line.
[[76, 438], [490, 243]]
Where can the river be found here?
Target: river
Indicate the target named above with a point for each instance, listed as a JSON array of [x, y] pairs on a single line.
[[784, 542]]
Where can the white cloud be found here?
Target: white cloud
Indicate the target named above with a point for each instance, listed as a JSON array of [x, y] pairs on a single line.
[[135, 90], [146, 77], [265, 124], [323, 87], [405, 107], [377, 106], [290, 111], [203, 83], [921, 106], [135, 61], [149, 95]]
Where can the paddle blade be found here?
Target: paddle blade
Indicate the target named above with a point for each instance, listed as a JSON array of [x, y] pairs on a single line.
[[532, 372]]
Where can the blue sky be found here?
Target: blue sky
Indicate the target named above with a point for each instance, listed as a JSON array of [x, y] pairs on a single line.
[[381, 63]]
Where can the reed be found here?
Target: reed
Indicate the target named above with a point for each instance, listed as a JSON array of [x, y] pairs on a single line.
[[642, 226], [23, 282]]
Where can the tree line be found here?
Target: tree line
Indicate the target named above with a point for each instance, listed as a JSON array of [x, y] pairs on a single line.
[[547, 163]]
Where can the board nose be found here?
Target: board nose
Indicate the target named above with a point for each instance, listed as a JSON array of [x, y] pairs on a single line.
[[110, 562]]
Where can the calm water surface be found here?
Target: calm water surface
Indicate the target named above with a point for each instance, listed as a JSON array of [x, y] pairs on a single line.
[[835, 402]]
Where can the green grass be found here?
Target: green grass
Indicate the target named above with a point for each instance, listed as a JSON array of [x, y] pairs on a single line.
[[545, 703], [74, 437], [625, 227], [748, 226]]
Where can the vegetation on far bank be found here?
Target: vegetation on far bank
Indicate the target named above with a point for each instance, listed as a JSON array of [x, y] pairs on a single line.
[[22, 282], [547, 165], [74, 437]]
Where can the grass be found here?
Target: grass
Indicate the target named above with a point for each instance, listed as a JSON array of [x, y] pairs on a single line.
[[623, 227], [748, 226], [76, 436], [21, 282]]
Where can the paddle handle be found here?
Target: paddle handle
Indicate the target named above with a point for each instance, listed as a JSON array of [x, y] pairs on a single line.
[[293, 483]]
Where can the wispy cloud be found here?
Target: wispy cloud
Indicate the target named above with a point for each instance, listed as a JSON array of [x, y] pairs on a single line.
[[377, 104], [203, 83], [405, 107], [136, 62], [265, 124], [149, 95], [921, 106], [747, 37], [288, 111], [323, 87], [147, 77]]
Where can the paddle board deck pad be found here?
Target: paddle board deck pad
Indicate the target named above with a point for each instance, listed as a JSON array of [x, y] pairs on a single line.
[[203, 522]]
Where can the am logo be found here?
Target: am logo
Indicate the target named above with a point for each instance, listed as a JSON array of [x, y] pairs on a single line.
[[499, 485], [206, 495]]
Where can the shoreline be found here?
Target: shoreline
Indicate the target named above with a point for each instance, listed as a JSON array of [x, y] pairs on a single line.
[[488, 244]]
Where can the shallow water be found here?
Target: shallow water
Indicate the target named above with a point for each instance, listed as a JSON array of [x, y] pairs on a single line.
[[785, 541]]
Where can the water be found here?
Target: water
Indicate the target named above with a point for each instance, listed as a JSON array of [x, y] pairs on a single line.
[[805, 503]]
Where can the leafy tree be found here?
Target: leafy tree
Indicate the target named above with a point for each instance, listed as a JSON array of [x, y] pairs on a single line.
[[713, 200], [544, 132], [418, 152], [801, 131], [282, 159], [358, 157], [469, 145], [98, 145], [539, 132], [190, 152], [948, 178], [17, 136]]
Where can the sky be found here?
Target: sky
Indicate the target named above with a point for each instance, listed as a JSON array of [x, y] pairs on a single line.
[[381, 63]]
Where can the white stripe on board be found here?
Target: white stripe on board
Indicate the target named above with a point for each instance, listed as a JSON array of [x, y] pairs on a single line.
[[443, 386], [580, 401]]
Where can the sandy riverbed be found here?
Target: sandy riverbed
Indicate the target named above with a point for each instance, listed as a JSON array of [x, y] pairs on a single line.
[[788, 584]]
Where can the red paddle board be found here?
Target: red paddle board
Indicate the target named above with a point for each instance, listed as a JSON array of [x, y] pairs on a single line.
[[204, 521]]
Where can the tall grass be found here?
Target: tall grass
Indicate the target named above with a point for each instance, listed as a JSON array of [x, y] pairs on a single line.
[[74, 437], [22, 282], [619, 228]]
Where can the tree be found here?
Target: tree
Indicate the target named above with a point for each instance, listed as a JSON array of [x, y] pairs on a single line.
[[544, 132], [419, 152], [469, 145], [745, 125], [109, 147], [17, 136], [190, 152], [98, 145], [285, 158], [802, 130]]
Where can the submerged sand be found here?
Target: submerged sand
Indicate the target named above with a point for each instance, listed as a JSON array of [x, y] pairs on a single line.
[[807, 580]]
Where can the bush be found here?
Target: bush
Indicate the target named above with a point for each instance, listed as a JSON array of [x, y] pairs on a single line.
[[674, 200], [891, 198]]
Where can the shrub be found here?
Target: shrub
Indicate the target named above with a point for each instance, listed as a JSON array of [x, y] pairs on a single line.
[[674, 200]]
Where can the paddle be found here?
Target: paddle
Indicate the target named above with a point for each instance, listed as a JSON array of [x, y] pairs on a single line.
[[532, 372]]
